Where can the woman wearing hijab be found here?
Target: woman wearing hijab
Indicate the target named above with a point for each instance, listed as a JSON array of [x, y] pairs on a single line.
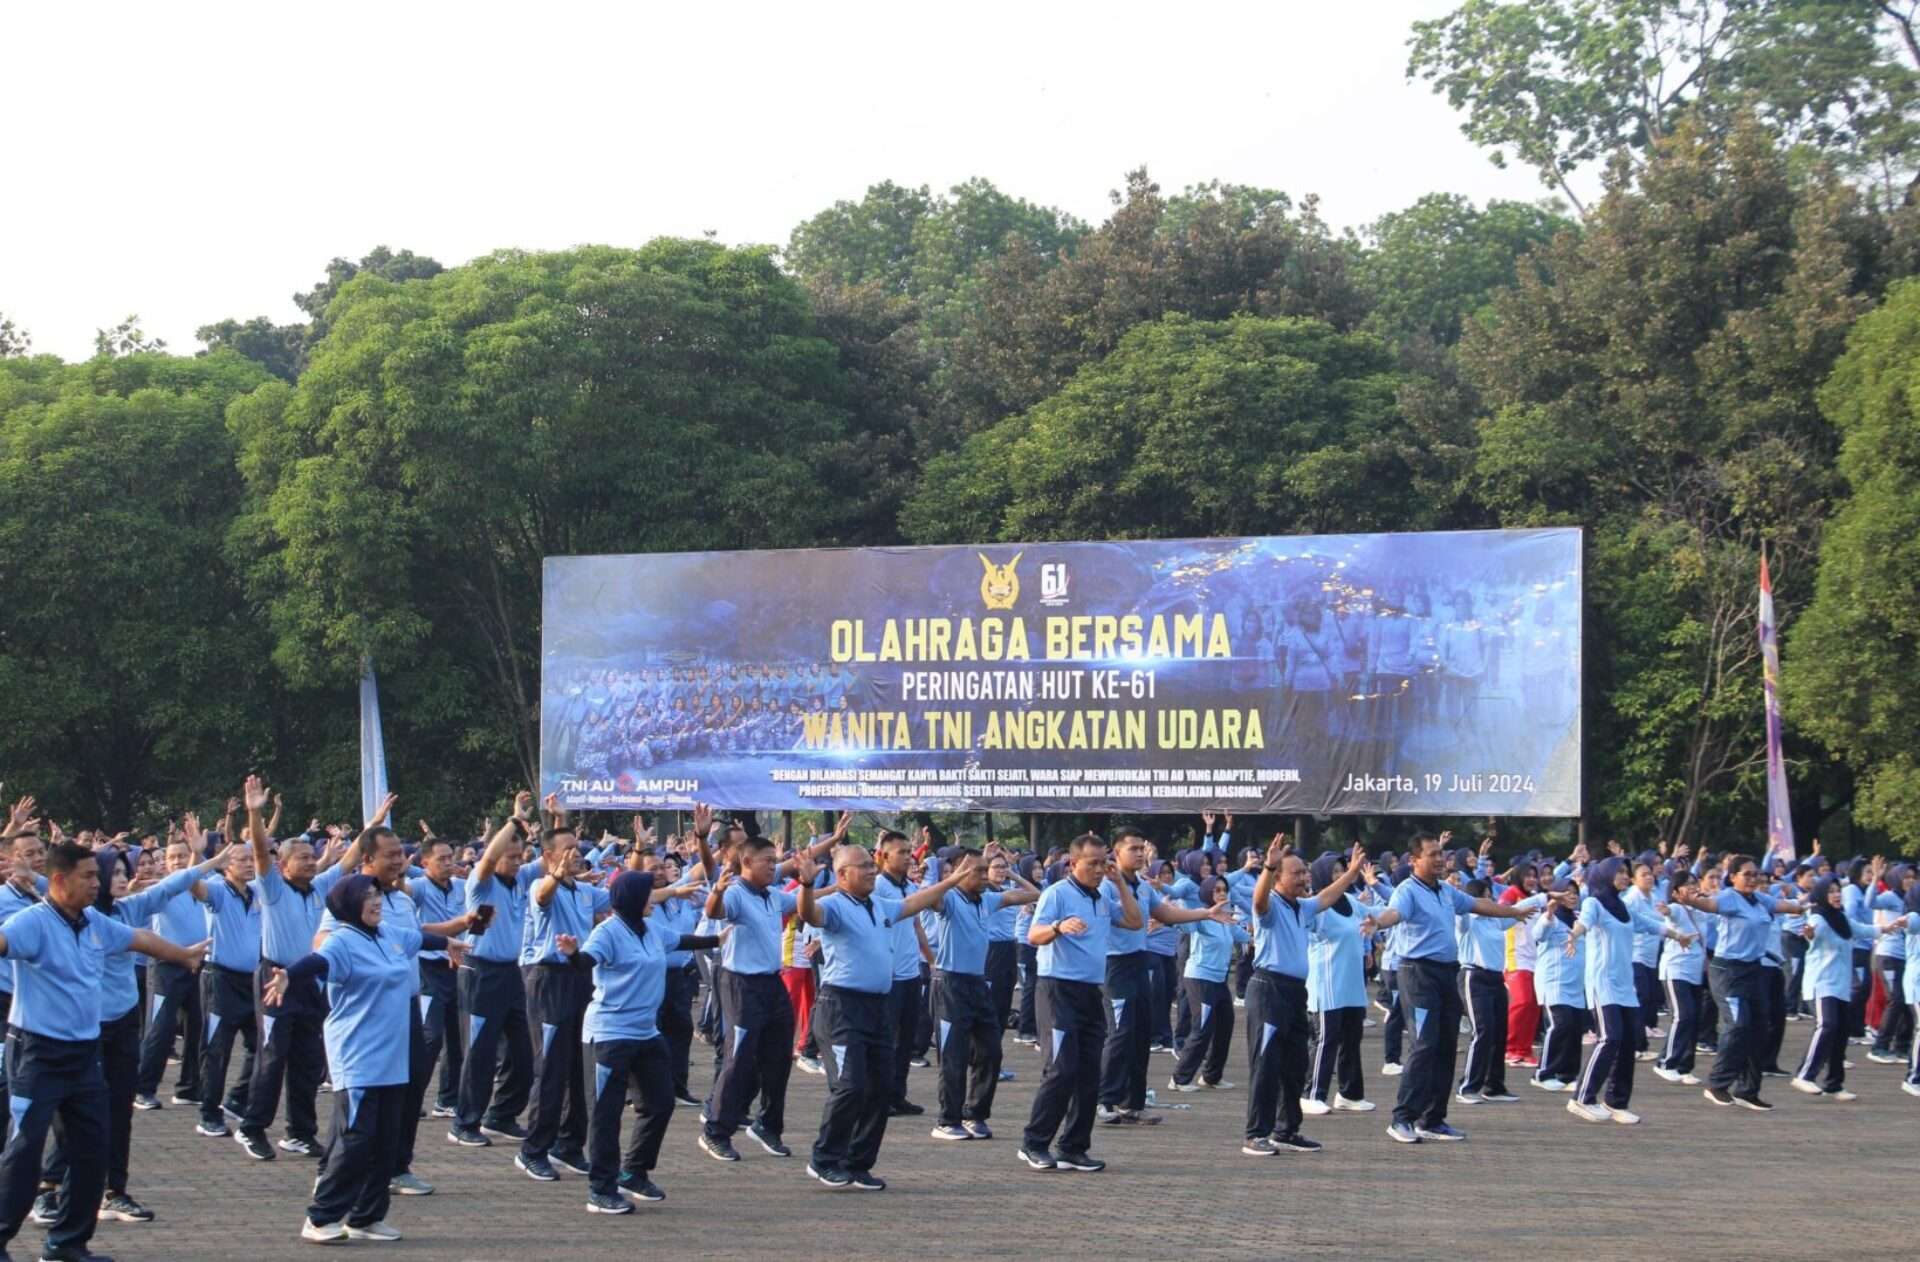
[[1210, 944], [1912, 992], [1613, 925], [1163, 943], [1560, 981], [1393, 1032], [1195, 866], [1854, 902], [370, 975], [624, 1043], [1337, 996], [1746, 922], [1027, 1025], [1683, 976], [1649, 881], [1523, 1006], [1832, 942]]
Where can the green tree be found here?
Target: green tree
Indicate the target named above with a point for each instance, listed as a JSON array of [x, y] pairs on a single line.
[[1427, 268], [278, 348], [130, 663], [1563, 83], [1853, 658], [1653, 378], [1033, 319], [449, 434], [1240, 426], [126, 338], [15, 341]]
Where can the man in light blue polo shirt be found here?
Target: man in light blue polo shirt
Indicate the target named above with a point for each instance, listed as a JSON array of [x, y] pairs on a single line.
[[493, 995], [968, 1021], [1072, 925], [226, 989], [1283, 913], [58, 950], [758, 1051], [850, 1014], [1426, 908]]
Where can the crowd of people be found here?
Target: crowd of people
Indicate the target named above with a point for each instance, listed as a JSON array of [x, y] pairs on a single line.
[[531, 988]]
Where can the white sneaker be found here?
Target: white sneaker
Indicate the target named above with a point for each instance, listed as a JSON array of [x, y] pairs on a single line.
[[1461, 1097], [1368, 1023], [374, 1231], [1689, 1080], [808, 1065], [1884, 1058], [1239, 1002], [1549, 1084], [1661, 1071], [1314, 1107], [1647, 1055], [1911, 1088], [1802, 1084], [1842, 1095], [1589, 1112], [323, 1233], [1626, 1117], [1222, 1085], [1656, 1033], [1391, 1069], [1352, 1106], [1176, 1085]]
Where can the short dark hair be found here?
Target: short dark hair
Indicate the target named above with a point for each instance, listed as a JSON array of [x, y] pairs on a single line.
[[426, 847], [67, 856], [1419, 843], [1127, 832], [755, 844]]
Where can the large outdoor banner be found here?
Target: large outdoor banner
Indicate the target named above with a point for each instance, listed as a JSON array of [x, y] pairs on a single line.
[[1413, 673]]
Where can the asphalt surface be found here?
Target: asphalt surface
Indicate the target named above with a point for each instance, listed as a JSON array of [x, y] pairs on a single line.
[[1693, 1181]]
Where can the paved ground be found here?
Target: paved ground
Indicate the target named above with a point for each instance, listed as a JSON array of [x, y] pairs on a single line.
[[1693, 1181]]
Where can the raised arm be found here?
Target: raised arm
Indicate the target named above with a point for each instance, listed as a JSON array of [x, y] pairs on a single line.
[[929, 896], [1130, 917], [804, 904], [497, 844], [256, 800], [1269, 873], [1357, 866], [159, 948]]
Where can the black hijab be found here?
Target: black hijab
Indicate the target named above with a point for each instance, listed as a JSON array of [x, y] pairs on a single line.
[[1836, 917], [347, 898], [1324, 874], [1562, 912], [628, 896], [1600, 886]]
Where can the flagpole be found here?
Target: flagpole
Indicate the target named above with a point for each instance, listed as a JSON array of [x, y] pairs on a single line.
[[1779, 805]]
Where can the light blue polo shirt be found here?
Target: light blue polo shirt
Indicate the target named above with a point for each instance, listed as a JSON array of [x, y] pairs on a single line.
[[904, 943], [1828, 973], [289, 918], [629, 981], [1744, 926], [1210, 948], [1126, 941], [967, 927], [1280, 936], [1077, 957], [1427, 916], [1610, 951], [500, 944], [13, 902], [57, 969], [753, 948], [1336, 960], [1003, 924], [571, 911], [855, 937], [234, 919], [436, 906], [679, 917], [370, 981]]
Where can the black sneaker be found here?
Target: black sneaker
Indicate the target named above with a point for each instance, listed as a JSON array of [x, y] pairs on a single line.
[[468, 1137], [46, 1208], [866, 1181], [687, 1097], [183, 1097], [768, 1141], [640, 1187], [1038, 1158], [832, 1176], [907, 1108], [919, 1062], [535, 1167], [601, 1203], [1296, 1143], [1753, 1102], [255, 1144], [146, 1103], [1259, 1146], [571, 1162], [1079, 1161], [1718, 1096], [299, 1147], [120, 1208], [503, 1130], [718, 1149], [212, 1130], [71, 1253]]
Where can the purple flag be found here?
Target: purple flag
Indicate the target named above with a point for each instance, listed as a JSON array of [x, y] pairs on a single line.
[[1779, 815]]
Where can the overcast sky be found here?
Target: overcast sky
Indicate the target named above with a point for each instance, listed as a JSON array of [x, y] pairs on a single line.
[[192, 162]]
